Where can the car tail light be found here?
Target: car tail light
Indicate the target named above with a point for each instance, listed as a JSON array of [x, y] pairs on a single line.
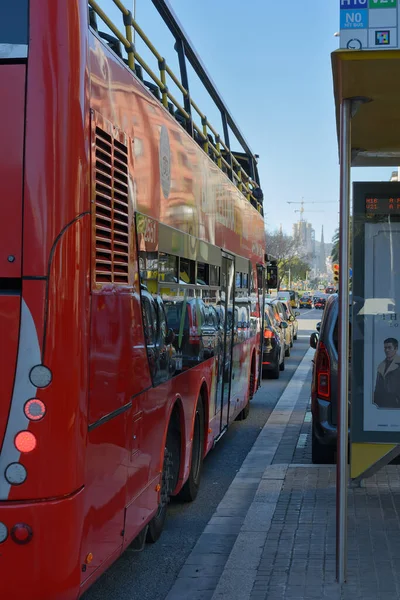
[[21, 533], [323, 372]]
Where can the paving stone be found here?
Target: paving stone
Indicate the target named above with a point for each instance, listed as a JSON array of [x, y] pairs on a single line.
[[235, 584], [189, 585], [190, 595], [247, 550]]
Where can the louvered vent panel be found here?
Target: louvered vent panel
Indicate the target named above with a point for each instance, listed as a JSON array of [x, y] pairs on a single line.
[[112, 225]]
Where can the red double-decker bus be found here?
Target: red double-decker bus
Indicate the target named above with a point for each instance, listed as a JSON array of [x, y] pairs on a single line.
[[131, 278]]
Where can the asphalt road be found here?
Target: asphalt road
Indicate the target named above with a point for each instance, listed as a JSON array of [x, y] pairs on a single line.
[[149, 575]]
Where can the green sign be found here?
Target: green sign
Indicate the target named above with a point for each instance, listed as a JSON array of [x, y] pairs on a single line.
[[382, 3]]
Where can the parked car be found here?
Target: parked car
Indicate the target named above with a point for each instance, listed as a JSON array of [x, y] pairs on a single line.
[[270, 310], [324, 387], [273, 359], [305, 302], [292, 316], [282, 317]]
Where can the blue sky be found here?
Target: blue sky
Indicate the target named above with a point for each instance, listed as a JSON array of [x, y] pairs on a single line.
[[270, 60]]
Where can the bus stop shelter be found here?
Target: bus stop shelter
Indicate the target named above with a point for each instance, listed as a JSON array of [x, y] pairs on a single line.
[[367, 102]]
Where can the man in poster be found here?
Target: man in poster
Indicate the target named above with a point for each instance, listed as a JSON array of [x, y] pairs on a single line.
[[387, 387]]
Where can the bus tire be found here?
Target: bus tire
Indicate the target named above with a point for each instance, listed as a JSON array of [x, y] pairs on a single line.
[[171, 454], [190, 489], [244, 413]]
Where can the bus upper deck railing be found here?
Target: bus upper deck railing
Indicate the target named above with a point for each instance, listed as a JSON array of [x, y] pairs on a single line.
[[206, 135]]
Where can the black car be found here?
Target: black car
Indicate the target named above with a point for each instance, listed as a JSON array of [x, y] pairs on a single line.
[[273, 359], [324, 387]]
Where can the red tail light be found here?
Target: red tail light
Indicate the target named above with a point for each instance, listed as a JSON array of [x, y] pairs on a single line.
[[323, 372], [268, 335]]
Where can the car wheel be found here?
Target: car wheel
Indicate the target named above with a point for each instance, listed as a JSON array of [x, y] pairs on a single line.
[[295, 336], [287, 352], [282, 365], [321, 454]]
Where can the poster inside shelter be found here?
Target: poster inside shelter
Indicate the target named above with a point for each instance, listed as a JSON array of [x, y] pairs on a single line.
[[381, 318]]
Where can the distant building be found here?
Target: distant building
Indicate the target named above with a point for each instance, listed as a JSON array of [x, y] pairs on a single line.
[[395, 175], [304, 235]]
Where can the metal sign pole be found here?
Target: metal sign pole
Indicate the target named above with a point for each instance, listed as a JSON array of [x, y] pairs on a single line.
[[342, 447]]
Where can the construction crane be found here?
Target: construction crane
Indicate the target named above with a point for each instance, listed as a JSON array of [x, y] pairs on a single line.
[[303, 202], [302, 210]]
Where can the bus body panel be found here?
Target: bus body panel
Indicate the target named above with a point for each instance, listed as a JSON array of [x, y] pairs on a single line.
[[12, 111], [105, 492], [202, 200], [10, 310], [50, 566], [56, 175], [61, 434]]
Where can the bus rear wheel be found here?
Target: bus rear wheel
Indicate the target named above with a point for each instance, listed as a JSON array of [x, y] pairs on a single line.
[[171, 455], [242, 416], [190, 490]]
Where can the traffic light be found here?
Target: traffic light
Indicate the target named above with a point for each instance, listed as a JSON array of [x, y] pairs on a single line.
[[272, 277], [336, 273]]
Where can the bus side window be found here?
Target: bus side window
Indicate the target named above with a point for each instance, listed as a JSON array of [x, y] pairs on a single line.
[[150, 332], [163, 327], [165, 337]]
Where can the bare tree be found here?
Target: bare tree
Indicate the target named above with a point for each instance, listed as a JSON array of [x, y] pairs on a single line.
[[285, 250]]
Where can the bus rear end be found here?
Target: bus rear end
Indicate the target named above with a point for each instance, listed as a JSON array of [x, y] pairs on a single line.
[[44, 268]]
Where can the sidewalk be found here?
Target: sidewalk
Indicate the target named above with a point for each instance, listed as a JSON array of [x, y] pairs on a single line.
[[272, 536]]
